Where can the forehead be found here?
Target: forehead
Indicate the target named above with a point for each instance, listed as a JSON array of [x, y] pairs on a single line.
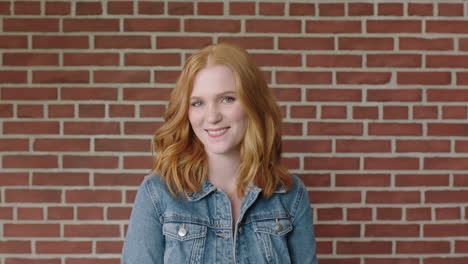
[[214, 79]]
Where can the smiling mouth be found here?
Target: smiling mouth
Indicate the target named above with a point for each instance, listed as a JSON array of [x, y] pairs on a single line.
[[217, 132]]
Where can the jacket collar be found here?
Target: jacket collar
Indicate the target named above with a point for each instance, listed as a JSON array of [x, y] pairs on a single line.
[[208, 188]]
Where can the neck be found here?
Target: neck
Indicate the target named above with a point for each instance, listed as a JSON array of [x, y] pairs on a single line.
[[222, 170]]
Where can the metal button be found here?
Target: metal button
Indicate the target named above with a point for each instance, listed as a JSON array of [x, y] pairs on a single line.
[[278, 226], [182, 231], [240, 230]]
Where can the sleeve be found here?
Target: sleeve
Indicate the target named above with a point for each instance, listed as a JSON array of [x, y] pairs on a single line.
[[301, 240], [144, 242]]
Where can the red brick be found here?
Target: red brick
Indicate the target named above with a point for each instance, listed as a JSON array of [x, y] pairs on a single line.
[[30, 25], [358, 214], [249, 42], [423, 146], [331, 163], [152, 59], [398, 95], [393, 197], [60, 111], [407, 43], [62, 145], [91, 59], [367, 180], [30, 213], [120, 7], [60, 213], [30, 111], [303, 111], [90, 213], [445, 230], [61, 76], [124, 111], [109, 246], [333, 112], [33, 196], [460, 179], [27, 8], [390, 9], [446, 196], [101, 93], [60, 178], [122, 76], [386, 213], [6, 110], [151, 8], [241, 8], [301, 9], [422, 247], [271, 59], [447, 129], [119, 213], [14, 178], [363, 77], [451, 9], [333, 95], [91, 230], [394, 129], [420, 9], [271, 9], [454, 112], [447, 26], [287, 94], [294, 77], [383, 163], [333, 197], [447, 61], [91, 110], [14, 144], [90, 162], [333, 26], [28, 127], [334, 128], [418, 214], [90, 25], [117, 179], [91, 128], [335, 230], [100, 260], [213, 25], [174, 42], [394, 60], [210, 9], [393, 26], [442, 163], [446, 260], [395, 112], [461, 246], [146, 93], [448, 213], [15, 246], [30, 161], [122, 145], [57, 8], [333, 61], [140, 128], [406, 180], [137, 162], [88, 8], [313, 179], [31, 230], [336, 9], [5, 8], [355, 43], [307, 146], [329, 214], [63, 247], [447, 95], [151, 25], [60, 42], [386, 230], [13, 77], [30, 59], [425, 112], [306, 43], [122, 42], [364, 247], [13, 42], [462, 78], [164, 76], [360, 9], [180, 8]]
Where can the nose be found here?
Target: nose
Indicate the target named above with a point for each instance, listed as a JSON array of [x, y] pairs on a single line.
[[214, 114]]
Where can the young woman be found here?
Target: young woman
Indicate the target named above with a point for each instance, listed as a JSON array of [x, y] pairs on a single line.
[[219, 193]]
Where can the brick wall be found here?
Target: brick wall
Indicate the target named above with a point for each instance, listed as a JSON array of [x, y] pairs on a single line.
[[374, 99]]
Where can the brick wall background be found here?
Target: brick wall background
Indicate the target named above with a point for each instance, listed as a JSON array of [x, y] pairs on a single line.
[[374, 99]]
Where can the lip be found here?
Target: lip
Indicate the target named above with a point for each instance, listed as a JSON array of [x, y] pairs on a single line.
[[216, 129]]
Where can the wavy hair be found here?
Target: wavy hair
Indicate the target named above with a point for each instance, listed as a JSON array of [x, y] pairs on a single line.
[[180, 156]]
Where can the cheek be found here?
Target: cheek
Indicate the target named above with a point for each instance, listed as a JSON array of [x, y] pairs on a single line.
[[194, 118]]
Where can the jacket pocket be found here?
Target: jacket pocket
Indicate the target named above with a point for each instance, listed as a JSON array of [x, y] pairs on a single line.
[[271, 234], [185, 242]]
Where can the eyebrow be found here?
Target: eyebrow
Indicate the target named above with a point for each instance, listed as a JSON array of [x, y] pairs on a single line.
[[218, 95]]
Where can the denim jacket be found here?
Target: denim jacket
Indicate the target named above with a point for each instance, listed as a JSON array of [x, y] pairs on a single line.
[[198, 229]]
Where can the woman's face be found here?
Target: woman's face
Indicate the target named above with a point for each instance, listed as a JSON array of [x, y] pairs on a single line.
[[215, 113]]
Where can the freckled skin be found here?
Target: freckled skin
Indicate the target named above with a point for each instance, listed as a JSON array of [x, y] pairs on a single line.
[[214, 104]]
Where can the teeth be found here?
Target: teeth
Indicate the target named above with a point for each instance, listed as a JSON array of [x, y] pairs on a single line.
[[217, 132]]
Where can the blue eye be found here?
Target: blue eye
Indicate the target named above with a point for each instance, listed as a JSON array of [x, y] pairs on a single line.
[[196, 103], [229, 99]]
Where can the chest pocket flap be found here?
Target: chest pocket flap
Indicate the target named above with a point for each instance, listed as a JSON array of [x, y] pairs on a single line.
[[184, 231], [277, 226]]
